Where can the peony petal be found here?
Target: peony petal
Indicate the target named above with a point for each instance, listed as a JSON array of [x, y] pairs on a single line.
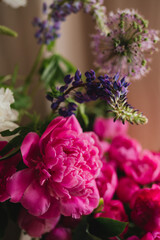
[[53, 211], [73, 123], [35, 199], [18, 183], [36, 226], [30, 149]]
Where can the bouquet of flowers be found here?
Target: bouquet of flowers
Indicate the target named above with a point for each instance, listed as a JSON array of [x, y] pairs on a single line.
[[77, 175]]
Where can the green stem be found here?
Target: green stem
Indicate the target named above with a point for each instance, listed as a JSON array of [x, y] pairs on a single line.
[[34, 68]]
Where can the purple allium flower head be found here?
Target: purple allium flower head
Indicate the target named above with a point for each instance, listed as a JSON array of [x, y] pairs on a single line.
[[127, 47]]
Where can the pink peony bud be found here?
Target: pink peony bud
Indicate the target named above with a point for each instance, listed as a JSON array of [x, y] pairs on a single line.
[[126, 188], [114, 209], [124, 149], [145, 170], [59, 233], [107, 128], [146, 209]]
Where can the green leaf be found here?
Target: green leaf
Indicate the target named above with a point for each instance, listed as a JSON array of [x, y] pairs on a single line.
[[4, 78], [106, 227], [54, 69], [7, 133], [83, 115], [13, 145], [11, 154], [7, 31], [14, 75], [21, 101], [80, 232], [50, 46]]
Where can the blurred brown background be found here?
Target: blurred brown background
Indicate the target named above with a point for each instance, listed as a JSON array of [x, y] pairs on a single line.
[[75, 45]]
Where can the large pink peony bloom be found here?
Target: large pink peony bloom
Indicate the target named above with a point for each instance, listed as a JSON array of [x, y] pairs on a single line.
[[36, 226], [107, 128], [146, 209], [7, 169], [61, 169]]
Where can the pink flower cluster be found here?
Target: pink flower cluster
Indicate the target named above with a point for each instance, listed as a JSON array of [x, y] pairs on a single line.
[[66, 172], [58, 178], [137, 185]]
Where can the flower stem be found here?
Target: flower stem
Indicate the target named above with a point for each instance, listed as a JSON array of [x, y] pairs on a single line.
[[34, 68]]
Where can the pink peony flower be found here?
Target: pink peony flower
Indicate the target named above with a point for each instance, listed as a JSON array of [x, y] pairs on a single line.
[[123, 149], [146, 209], [61, 169], [59, 233], [126, 188], [114, 209], [7, 169], [107, 181], [107, 128], [35, 226], [134, 237], [145, 170], [147, 236]]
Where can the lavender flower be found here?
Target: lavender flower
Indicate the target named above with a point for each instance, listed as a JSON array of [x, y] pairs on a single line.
[[48, 29], [127, 47], [112, 90]]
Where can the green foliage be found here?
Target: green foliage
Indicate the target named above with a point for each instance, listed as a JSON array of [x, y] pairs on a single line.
[[13, 146], [22, 101], [83, 115], [54, 69], [81, 231], [91, 228], [106, 227], [7, 31]]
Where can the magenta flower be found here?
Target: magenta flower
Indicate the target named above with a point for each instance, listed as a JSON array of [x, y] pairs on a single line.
[[59, 233], [107, 181], [145, 170], [126, 188], [7, 169], [148, 236], [35, 226], [127, 47], [114, 209], [134, 237], [61, 169], [106, 128], [146, 209], [124, 149]]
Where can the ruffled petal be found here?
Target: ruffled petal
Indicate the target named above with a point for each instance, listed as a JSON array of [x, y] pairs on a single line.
[[36, 199], [30, 149], [18, 183], [53, 211]]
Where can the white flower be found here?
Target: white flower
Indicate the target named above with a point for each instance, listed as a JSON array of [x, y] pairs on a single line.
[[16, 3], [7, 115]]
